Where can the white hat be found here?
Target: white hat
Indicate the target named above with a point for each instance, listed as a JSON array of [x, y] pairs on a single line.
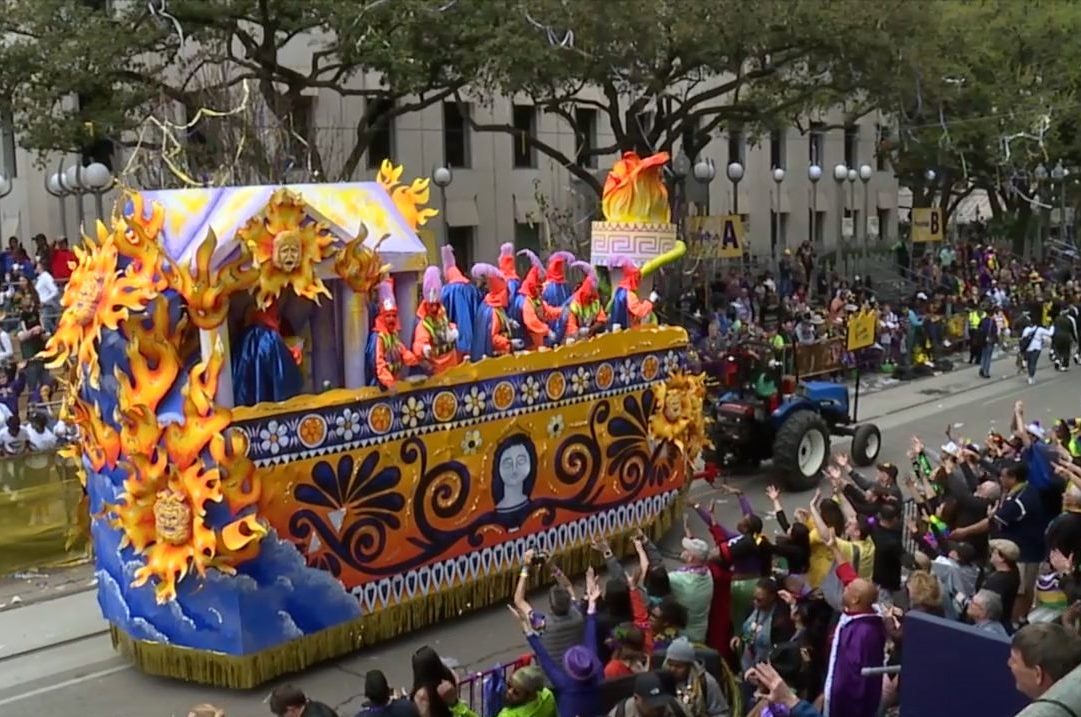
[[1036, 429], [952, 449], [698, 547], [921, 296]]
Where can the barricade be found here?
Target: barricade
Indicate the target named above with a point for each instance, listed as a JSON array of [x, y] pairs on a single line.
[[43, 513], [471, 687], [820, 358]]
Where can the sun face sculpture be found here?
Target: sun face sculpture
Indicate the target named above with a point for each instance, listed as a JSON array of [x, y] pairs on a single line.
[[286, 247], [679, 415], [171, 477], [98, 296], [410, 199]]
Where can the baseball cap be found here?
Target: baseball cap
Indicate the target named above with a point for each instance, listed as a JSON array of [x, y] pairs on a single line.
[[1036, 429], [649, 688], [952, 449], [889, 469], [1006, 548]]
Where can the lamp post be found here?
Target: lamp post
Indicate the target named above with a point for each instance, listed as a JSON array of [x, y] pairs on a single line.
[[705, 171], [681, 167], [778, 177], [865, 176], [1059, 174], [73, 178], [840, 174], [814, 173], [98, 180], [735, 173], [1041, 176], [442, 176], [54, 186]]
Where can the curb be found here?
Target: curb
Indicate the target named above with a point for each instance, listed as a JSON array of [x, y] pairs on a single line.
[[60, 591]]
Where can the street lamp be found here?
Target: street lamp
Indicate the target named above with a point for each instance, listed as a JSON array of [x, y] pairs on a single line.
[[930, 175], [814, 173], [865, 176], [442, 176], [98, 179], [1041, 172], [1059, 174], [54, 186], [735, 173], [704, 170], [70, 180], [840, 174], [778, 177]]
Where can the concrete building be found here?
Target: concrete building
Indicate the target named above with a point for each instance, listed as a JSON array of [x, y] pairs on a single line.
[[494, 194]]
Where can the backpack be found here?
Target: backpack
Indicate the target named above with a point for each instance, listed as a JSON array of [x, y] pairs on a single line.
[[1026, 338]]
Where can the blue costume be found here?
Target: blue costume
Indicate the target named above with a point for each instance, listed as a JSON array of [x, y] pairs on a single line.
[[263, 366]]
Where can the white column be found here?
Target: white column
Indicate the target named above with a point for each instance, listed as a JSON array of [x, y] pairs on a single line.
[[354, 333], [207, 341]]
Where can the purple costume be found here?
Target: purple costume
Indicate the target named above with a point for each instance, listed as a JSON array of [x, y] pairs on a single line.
[[859, 641]]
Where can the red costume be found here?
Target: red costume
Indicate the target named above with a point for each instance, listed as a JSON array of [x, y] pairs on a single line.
[[585, 315], [537, 314], [392, 358], [434, 336], [627, 309], [492, 332]]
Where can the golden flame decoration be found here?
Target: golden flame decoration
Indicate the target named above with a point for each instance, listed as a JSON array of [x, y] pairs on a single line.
[[634, 192], [359, 265], [286, 249], [100, 296], [410, 199], [679, 415], [206, 290], [162, 510]]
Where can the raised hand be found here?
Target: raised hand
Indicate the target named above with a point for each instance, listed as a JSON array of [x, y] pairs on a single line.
[[842, 460], [773, 493]]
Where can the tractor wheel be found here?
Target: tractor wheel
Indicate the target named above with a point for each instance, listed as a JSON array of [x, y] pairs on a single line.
[[801, 449], [866, 443]]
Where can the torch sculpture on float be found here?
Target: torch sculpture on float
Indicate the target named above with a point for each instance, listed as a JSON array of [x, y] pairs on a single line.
[[637, 217]]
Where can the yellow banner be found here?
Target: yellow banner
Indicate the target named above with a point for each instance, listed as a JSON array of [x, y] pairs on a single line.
[[43, 516], [861, 330], [716, 236], [927, 225]]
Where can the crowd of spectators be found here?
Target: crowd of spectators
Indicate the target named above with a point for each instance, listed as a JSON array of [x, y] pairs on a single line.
[[29, 309], [955, 289], [808, 620]]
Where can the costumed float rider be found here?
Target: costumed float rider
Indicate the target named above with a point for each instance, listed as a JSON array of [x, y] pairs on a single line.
[[266, 367], [435, 337], [583, 315], [390, 358], [510, 271], [626, 309], [493, 330], [537, 315], [461, 299], [556, 292]]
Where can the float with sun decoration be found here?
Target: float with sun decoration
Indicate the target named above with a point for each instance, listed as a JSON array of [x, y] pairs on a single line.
[[236, 543]]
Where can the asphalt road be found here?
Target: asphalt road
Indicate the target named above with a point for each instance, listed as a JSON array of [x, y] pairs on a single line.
[[83, 676]]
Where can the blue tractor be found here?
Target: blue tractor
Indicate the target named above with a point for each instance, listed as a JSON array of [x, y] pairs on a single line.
[[788, 422]]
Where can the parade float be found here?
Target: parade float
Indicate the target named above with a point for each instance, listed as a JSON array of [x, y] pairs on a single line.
[[234, 544]]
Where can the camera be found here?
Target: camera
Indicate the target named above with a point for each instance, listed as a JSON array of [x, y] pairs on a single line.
[[539, 558]]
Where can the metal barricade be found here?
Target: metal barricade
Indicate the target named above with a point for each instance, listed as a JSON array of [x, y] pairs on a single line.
[[471, 687]]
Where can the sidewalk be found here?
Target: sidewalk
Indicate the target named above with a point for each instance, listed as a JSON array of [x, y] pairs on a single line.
[[31, 586]]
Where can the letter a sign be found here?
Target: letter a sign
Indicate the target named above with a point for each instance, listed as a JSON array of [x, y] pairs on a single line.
[[731, 237]]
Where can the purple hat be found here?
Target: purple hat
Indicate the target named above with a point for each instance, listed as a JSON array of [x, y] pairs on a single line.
[[620, 261], [535, 261], [487, 271], [587, 270], [581, 664], [447, 252], [385, 293], [432, 284]]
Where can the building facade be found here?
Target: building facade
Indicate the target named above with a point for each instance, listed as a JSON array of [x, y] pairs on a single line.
[[500, 190]]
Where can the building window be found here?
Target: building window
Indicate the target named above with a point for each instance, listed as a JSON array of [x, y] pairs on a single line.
[[736, 146], [777, 149], [456, 134], [852, 146], [585, 120], [461, 240], [97, 148], [816, 144], [884, 224], [381, 138], [524, 118], [882, 155], [526, 236], [8, 164]]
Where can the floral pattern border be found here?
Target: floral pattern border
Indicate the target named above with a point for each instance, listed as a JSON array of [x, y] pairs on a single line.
[[304, 434], [383, 593]]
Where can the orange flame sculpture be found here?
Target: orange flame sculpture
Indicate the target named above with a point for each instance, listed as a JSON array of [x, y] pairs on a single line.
[[137, 238], [287, 249], [98, 295], [410, 199], [206, 290], [359, 265], [634, 192], [162, 510]]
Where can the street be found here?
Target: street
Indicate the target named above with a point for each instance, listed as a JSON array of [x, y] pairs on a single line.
[[82, 675]]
